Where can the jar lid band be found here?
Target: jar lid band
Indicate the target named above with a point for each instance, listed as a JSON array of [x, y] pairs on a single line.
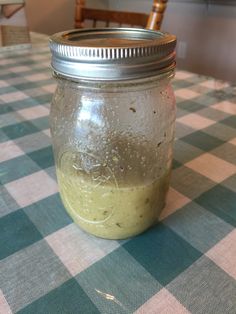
[[112, 53]]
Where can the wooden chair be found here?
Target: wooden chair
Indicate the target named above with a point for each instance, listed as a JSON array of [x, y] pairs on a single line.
[[119, 17]]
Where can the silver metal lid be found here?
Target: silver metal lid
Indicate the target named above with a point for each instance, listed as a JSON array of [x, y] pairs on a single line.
[[112, 53]]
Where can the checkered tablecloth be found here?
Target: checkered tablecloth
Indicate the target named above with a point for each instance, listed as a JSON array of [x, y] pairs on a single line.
[[186, 264]]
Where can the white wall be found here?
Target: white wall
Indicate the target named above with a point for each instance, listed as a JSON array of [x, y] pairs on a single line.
[[51, 16], [210, 35]]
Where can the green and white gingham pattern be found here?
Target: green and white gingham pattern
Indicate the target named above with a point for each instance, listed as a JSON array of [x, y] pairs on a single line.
[[186, 264]]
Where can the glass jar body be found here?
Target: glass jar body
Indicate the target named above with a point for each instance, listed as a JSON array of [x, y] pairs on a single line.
[[113, 145]]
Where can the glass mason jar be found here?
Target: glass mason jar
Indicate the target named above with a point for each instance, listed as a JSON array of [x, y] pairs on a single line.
[[112, 125]]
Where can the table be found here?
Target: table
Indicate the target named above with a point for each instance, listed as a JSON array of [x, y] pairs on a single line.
[[185, 264]]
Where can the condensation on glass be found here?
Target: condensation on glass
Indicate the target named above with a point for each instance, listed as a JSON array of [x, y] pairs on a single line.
[[112, 124]]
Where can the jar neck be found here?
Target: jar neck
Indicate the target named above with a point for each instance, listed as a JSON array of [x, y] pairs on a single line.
[[147, 82]]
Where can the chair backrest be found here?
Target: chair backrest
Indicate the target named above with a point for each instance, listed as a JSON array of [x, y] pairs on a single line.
[[108, 16], [152, 21]]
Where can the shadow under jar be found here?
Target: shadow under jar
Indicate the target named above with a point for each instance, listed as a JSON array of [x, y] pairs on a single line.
[[112, 124]]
